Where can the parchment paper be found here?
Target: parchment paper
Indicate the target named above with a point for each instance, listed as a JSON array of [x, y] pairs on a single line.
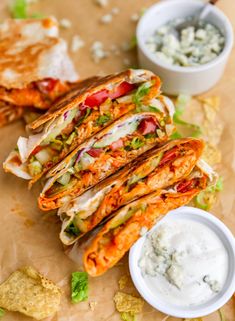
[[29, 236]]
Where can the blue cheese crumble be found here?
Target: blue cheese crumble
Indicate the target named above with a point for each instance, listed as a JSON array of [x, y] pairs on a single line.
[[192, 47]]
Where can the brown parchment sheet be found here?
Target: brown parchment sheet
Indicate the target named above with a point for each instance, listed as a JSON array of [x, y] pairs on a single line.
[[29, 236]]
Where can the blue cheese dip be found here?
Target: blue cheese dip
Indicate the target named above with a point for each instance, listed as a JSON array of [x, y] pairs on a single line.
[[184, 262], [193, 46]]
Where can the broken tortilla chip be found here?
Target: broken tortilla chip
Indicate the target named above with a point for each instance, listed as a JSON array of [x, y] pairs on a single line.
[[29, 292], [128, 303]]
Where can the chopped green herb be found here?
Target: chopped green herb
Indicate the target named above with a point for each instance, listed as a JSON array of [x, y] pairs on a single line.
[[133, 43], [103, 119], [127, 316], [136, 143], [79, 287], [19, 9], [141, 92], [2, 312], [72, 230]]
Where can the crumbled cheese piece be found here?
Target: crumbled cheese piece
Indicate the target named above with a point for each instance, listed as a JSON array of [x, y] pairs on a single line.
[[107, 18], [101, 3], [115, 11], [98, 52], [77, 43], [135, 17], [193, 47], [65, 23], [92, 305]]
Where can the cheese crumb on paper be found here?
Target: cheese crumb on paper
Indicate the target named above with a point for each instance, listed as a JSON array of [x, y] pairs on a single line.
[[65, 23], [92, 305], [77, 43], [101, 3], [97, 51], [29, 292], [106, 19]]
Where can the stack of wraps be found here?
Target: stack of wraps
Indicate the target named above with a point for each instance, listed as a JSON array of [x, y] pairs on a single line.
[[35, 68], [106, 160]]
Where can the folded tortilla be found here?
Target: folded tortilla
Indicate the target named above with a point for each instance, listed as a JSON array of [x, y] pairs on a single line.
[[136, 218], [156, 169], [94, 104], [35, 68], [103, 154]]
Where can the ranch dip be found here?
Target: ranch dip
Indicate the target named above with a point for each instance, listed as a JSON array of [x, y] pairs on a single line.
[[184, 262]]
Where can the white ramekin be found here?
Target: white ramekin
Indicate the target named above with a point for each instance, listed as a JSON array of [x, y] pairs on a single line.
[[177, 79], [195, 214]]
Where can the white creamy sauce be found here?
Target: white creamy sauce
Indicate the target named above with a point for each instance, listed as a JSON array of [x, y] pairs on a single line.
[[184, 262]]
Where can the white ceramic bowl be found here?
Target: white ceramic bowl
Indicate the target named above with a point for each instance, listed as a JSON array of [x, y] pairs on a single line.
[[177, 79], [189, 213]]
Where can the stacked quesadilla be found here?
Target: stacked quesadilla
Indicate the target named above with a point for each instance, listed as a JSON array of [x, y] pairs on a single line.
[[104, 155], [35, 68]]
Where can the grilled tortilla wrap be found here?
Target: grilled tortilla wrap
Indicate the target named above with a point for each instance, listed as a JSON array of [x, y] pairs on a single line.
[[34, 65], [131, 221], [82, 113], [156, 169], [102, 155]]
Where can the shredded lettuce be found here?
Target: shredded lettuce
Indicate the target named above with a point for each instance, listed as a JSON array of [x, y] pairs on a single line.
[[72, 229], [2, 312], [180, 105], [136, 143], [103, 119], [127, 316], [79, 287], [140, 93], [205, 199]]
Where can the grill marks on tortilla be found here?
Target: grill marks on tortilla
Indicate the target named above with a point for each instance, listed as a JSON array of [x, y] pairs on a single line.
[[31, 50]]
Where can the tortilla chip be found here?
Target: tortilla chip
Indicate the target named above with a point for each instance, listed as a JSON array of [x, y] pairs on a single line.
[[211, 154], [123, 282], [29, 292], [128, 303]]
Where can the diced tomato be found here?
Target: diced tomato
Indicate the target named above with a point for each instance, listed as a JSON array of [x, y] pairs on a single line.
[[147, 126], [170, 155], [185, 185], [46, 85], [97, 98], [95, 152], [121, 90], [117, 144], [36, 150]]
